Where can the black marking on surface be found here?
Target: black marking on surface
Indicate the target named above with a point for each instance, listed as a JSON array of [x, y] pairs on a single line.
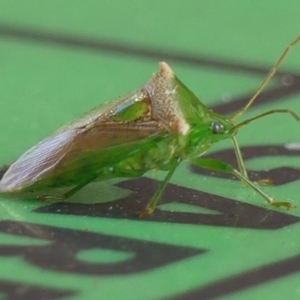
[[229, 213]]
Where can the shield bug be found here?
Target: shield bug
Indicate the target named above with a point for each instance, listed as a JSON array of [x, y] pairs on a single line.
[[156, 126]]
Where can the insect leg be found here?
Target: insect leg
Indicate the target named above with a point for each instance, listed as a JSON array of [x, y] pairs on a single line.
[[242, 168], [239, 157], [78, 187], [69, 193], [155, 199], [221, 166]]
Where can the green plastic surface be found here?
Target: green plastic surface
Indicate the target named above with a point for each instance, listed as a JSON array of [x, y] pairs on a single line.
[[211, 237]]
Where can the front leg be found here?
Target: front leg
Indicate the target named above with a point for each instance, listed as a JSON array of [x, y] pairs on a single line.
[[217, 165]]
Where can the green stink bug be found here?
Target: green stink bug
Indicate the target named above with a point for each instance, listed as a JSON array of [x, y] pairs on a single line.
[[155, 127]]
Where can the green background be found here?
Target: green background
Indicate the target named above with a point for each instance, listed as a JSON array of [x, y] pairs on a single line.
[[46, 81]]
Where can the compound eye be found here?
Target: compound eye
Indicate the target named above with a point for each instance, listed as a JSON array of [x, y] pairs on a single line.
[[216, 127]]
